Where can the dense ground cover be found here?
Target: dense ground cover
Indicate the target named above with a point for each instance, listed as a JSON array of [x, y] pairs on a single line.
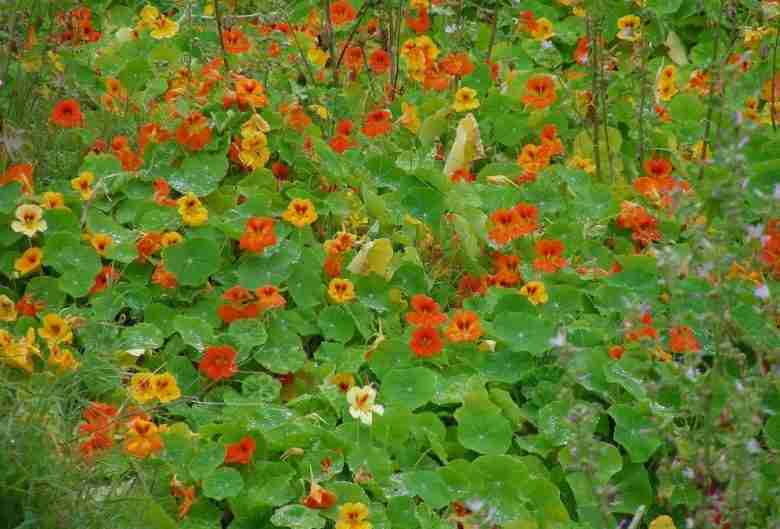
[[389, 264]]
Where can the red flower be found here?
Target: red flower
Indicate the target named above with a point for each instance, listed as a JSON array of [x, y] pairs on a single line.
[[426, 342], [549, 255], [377, 123], [194, 132], [241, 452], [682, 340], [218, 362], [258, 234], [426, 312], [67, 114], [341, 12], [379, 61]]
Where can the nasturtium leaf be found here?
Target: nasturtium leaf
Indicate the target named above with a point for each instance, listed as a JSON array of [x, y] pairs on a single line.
[[635, 431], [428, 485], [409, 387], [482, 428], [297, 517], [199, 174], [336, 324], [142, 336], [247, 334], [194, 331], [223, 483], [192, 261]]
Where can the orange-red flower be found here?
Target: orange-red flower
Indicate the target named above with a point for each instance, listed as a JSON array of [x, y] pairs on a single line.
[[464, 327], [682, 340], [426, 342], [219, 362], [258, 234], [426, 312], [241, 452], [539, 92], [67, 114], [234, 40], [379, 61], [341, 12], [549, 254], [377, 123], [194, 132], [319, 498]]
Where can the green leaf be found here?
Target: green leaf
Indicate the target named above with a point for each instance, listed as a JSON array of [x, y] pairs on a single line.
[[142, 336], [200, 174], [297, 517], [481, 427], [410, 387], [635, 431], [223, 483], [194, 331], [192, 261], [336, 324], [428, 485]]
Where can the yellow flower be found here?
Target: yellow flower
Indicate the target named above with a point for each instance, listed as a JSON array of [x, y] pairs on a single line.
[[666, 90], [142, 388], [410, 119], [30, 261], [55, 330], [543, 29], [300, 212], [255, 126], [164, 28], [662, 522], [83, 184], [62, 359], [100, 242], [317, 56], [353, 516], [165, 387], [29, 220], [18, 353], [630, 28], [581, 163], [535, 292], [7, 309], [170, 238], [192, 212], [53, 200], [465, 99], [341, 290]]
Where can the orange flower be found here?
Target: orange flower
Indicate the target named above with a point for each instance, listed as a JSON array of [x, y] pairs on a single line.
[[426, 312], [377, 123], [67, 114], [464, 327], [218, 362], [234, 40], [426, 342], [549, 255], [194, 132], [143, 438], [268, 297], [319, 498], [241, 452], [22, 173], [341, 12], [379, 61], [30, 261], [539, 92], [682, 340], [258, 234], [163, 277]]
